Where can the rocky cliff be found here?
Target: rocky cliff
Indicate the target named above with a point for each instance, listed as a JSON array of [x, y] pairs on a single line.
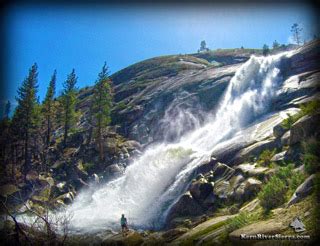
[[149, 98]]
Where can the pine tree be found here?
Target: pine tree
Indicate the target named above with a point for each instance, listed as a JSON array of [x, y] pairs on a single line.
[[275, 45], [265, 50], [69, 102], [101, 108], [203, 46], [25, 117], [296, 30], [7, 109], [48, 106]]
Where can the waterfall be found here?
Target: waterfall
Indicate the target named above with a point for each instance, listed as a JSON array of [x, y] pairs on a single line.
[[154, 181]]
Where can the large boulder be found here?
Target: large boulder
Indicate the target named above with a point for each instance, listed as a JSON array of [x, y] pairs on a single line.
[[207, 166], [223, 190], [201, 189], [255, 150], [302, 191], [185, 206], [174, 233], [278, 130], [66, 198], [132, 145], [247, 189], [279, 157], [285, 138], [304, 128], [262, 227], [112, 171], [252, 170]]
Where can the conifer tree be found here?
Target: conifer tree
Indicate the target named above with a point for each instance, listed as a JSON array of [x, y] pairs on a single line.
[[7, 110], [296, 32], [265, 50], [25, 116], [101, 107], [69, 103], [275, 45], [48, 106]]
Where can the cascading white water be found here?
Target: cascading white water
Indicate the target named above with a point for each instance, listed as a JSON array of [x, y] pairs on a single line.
[[152, 183]]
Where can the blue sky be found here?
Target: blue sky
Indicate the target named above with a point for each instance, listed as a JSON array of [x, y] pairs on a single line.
[[62, 37]]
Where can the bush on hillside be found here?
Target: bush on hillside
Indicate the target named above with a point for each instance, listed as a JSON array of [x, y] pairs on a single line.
[[289, 121], [311, 156], [309, 108], [266, 156], [281, 186], [273, 193]]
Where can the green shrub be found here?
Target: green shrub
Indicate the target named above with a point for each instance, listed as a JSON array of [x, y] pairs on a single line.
[[237, 222], [288, 122], [121, 105], [295, 180], [88, 166], [285, 173], [311, 156], [310, 108], [281, 186], [273, 194], [266, 156], [244, 218]]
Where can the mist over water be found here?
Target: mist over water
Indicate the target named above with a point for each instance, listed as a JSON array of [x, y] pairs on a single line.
[[154, 181]]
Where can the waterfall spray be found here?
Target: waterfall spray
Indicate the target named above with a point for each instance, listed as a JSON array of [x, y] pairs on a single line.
[[153, 182]]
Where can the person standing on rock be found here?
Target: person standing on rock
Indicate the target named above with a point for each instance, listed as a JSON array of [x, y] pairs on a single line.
[[124, 225]]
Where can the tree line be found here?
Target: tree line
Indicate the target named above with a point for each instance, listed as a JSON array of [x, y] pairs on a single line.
[[296, 38], [28, 134]]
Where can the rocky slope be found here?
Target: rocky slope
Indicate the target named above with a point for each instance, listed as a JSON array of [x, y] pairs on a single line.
[[149, 96], [233, 175]]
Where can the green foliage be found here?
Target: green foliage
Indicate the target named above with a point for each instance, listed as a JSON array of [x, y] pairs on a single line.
[[281, 186], [289, 121], [295, 180], [102, 99], [238, 221], [190, 240], [26, 116], [49, 106], [101, 106], [7, 110], [69, 100], [310, 108], [121, 105], [241, 220], [88, 166], [311, 156], [266, 156], [275, 45], [265, 50], [272, 194], [296, 32]]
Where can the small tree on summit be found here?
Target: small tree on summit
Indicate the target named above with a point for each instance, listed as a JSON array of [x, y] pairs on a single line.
[[101, 107], [275, 45], [203, 46], [69, 103], [265, 50], [296, 32]]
